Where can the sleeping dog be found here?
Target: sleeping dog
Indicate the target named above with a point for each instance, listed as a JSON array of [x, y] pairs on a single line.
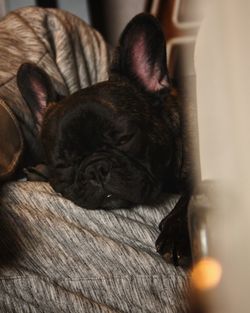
[[118, 143]]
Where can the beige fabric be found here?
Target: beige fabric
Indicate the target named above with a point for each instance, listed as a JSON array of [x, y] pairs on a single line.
[[57, 257], [11, 142]]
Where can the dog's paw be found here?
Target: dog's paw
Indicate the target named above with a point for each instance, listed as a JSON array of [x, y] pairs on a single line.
[[173, 242]]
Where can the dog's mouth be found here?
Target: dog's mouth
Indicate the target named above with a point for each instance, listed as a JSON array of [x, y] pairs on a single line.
[[111, 201], [100, 184], [110, 197]]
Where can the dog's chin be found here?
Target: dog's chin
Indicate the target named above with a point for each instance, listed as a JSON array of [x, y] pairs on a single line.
[[108, 202], [91, 198], [113, 202], [97, 200]]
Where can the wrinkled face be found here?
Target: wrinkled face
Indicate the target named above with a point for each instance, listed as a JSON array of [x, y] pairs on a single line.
[[104, 150], [110, 145]]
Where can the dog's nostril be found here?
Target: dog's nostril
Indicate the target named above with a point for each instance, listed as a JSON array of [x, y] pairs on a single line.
[[98, 172], [103, 170]]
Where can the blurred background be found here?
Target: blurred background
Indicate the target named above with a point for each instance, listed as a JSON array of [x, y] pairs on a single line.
[[180, 20]]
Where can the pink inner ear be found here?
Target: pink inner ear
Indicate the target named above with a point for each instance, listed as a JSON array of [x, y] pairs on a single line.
[[150, 75], [41, 97]]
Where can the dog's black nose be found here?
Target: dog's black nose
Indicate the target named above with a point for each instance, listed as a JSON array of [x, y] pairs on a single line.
[[98, 172]]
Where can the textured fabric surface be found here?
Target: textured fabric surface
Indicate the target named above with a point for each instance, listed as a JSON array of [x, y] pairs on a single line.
[[11, 141], [58, 257]]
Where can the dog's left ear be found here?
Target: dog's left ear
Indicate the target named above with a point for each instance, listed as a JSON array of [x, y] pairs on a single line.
[[141, 54], [36, 89]]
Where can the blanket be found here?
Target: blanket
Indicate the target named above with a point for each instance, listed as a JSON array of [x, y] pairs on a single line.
[[58, 257]]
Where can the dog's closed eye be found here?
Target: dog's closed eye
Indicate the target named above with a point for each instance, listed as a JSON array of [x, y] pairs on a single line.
[[125, 139]]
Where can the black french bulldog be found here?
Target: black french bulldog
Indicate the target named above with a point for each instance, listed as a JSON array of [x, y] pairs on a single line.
[[119, 143]]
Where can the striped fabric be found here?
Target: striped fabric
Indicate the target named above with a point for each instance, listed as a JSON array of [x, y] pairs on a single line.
[[58, 257], [54, 255]]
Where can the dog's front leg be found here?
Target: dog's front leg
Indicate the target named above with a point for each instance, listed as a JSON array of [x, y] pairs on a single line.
[[173, 242]]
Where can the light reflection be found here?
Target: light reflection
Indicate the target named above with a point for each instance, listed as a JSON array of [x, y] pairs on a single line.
[[206, 274]]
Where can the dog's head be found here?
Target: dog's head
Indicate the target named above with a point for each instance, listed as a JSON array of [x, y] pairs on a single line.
[[112, 144]]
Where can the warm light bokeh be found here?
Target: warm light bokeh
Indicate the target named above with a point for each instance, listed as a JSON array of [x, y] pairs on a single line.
[[206, 274]]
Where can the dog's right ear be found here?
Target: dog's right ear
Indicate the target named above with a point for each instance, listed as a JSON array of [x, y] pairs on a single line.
[[36, 89], [141, 54]]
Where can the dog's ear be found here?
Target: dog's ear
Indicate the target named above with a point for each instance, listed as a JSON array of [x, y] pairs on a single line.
[[36, 89], [141, 54]]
